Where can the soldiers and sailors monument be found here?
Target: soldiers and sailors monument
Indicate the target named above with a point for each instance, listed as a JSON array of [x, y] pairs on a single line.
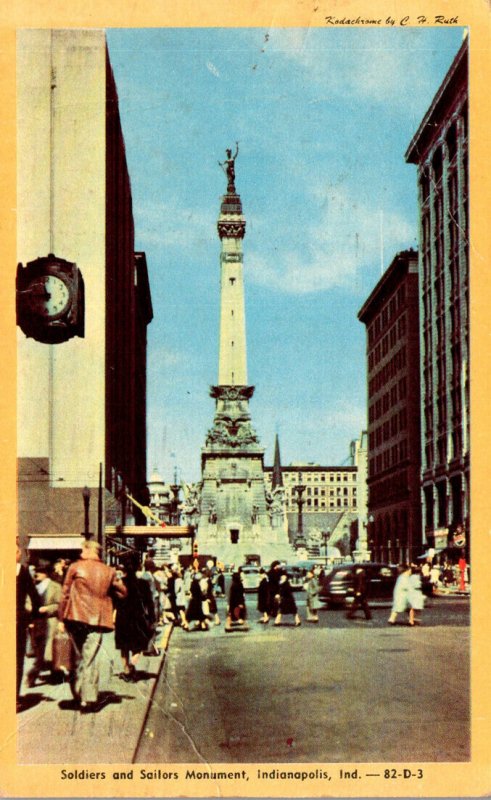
[[237, 516]]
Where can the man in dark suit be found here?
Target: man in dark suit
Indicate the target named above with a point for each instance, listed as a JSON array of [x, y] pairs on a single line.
[[360, 588], [27, 607], [86, 609]]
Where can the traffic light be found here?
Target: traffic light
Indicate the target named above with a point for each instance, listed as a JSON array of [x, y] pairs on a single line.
[[195, 548]]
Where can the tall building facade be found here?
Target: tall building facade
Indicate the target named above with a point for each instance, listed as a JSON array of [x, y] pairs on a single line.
[[81, 402], [439, 148], [234, 518], [391, 317]]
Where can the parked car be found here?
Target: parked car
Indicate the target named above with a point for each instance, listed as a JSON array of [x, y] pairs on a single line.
[[250, 577], [337, 585]]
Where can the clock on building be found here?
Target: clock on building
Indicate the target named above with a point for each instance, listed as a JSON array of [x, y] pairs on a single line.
[[50, 299]]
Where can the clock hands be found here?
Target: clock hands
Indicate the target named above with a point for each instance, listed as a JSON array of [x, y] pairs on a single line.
[[37, 291], [41, 292]]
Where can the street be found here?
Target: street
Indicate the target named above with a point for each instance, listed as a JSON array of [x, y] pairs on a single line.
[[340, 691]]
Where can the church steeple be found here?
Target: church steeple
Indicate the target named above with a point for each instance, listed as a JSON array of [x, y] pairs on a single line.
[[277, 475]]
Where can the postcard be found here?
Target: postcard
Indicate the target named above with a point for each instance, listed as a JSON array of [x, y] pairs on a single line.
[[244, 407]]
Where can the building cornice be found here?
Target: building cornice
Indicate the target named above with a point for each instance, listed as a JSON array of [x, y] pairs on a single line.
[[404, 262], [438, 109]]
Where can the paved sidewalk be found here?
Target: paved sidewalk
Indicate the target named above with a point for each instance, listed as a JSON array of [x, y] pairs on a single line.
[[51, 730]]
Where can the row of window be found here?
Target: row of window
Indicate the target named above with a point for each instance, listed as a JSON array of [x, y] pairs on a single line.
[[434, 174], [454, 445], [379, 324], [389, 429], [395, 333], [315, 477], [388, 400], [391, 487], [323, 492], [391, 457], [315, 504], [388, 371]]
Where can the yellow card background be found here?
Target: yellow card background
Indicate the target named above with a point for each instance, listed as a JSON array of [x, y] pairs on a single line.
[[451, 780]]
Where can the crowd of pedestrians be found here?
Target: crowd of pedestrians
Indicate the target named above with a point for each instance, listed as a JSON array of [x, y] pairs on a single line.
[[64, 609]]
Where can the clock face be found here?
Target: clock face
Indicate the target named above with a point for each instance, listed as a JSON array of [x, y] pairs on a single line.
[[48, 296]]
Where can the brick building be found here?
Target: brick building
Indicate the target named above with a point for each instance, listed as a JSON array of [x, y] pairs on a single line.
[[390, 315]]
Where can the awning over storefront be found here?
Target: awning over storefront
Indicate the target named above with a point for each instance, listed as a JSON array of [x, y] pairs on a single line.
[[67, 542]]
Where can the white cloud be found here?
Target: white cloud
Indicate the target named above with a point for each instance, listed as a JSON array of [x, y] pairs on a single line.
[[170, 224], [372, 66], [214, 71], [343, 241], [164, 357]]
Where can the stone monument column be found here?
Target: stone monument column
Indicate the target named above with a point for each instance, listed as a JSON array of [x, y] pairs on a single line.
[[234, 516]]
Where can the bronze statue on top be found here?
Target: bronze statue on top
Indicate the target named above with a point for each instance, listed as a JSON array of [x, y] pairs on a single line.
[[228, 167]]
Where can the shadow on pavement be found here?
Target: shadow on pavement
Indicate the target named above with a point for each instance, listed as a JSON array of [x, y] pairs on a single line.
[[105, 699], [31, 700], [142, 675]]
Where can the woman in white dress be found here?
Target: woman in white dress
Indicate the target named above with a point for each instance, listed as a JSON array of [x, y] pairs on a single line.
[[400, 601]]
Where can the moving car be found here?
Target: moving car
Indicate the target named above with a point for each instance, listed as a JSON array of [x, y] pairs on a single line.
[[250, 577], [337, 585]]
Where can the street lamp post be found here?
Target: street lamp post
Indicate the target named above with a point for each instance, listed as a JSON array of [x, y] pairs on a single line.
[[299, 490], [174, 509], [326, 535], [174, 515], [86, 499]]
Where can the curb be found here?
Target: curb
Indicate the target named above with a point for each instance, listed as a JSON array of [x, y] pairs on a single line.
[[163, 645]]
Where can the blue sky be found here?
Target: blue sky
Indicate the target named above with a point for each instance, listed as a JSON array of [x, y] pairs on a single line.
[[323, 118]]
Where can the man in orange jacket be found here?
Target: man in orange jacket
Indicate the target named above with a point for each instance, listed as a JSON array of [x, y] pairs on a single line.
[[86, 609]]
